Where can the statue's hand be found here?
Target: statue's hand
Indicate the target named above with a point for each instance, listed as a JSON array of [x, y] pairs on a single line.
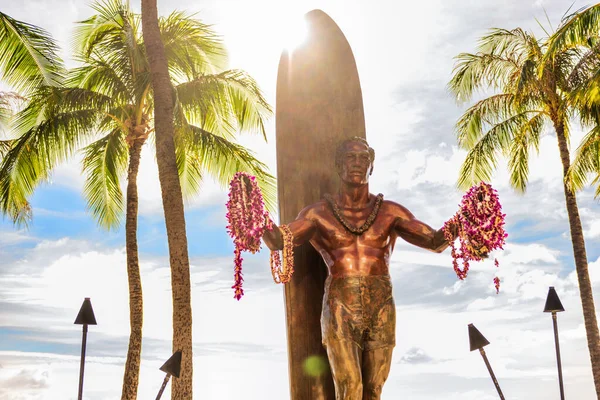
[[454, 229], [479, 248]]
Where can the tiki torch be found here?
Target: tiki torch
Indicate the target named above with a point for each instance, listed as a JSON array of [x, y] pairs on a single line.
[[554, 305], [172, 367], [477, 342], [85, 317]]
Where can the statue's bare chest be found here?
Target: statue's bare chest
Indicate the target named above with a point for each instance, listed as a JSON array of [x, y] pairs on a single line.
[[334, 234]]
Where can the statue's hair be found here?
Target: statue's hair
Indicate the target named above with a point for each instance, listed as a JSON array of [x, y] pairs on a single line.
[[341, 150]]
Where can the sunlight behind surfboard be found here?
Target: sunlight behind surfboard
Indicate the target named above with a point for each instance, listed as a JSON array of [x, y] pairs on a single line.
[[294, 32]]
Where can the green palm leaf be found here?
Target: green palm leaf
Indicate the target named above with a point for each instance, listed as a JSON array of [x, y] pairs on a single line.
[[483, 114], [482, 158], [526, 138], [35, 153], [191, 47], [28, 56], [577, 29], [510, 44], [475, 71], [9, 103], [247, 102], [224, 102], [100, 77], [50, 103], [587, 161], [221, 159], [104, 163], [203, 102], [101, 31]]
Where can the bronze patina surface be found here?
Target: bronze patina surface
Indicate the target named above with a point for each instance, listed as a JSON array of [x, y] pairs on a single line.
[[360, 309], [358, 313]]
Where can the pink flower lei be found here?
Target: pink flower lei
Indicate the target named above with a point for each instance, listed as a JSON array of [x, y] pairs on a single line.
[[480, 224], [247, 219]]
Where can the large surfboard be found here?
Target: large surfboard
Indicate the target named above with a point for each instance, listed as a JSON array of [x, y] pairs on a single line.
[[318, 105]]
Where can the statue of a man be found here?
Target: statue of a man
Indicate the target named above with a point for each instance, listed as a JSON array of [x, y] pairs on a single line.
[[355, 232]]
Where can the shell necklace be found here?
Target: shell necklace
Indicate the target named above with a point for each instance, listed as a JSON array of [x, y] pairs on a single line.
[[349, 227]]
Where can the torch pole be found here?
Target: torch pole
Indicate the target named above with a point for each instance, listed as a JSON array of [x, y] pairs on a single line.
[[489, 367], [558, 362], [82, 365], [164, 385]]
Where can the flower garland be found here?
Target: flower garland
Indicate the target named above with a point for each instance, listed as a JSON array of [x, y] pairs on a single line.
[[247, 219], [480, 225], [283, 275]]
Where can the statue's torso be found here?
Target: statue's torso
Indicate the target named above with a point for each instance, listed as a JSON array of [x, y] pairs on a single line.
[[347, 254]]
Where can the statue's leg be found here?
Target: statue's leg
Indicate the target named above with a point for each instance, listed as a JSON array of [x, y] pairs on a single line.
[[376, 368], [342, 331], [380, 335], [345, 358]]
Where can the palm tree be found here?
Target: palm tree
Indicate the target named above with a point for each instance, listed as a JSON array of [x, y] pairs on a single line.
[[581, 30], [28, 59], [172, 198], [106, 109], [531, 92]]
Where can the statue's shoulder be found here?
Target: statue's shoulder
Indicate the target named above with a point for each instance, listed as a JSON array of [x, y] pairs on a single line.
[[314, 209], [395, 208]]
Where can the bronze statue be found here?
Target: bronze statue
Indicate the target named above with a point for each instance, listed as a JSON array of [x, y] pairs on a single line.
[[355, 232]]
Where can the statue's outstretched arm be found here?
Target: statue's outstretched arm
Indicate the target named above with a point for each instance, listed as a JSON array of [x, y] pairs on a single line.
[[302, 228], [419, 233]]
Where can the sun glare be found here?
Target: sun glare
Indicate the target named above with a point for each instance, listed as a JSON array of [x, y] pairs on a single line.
[[294, 32]]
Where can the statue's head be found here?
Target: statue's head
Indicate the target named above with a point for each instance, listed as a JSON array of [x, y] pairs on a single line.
[[354, 161]]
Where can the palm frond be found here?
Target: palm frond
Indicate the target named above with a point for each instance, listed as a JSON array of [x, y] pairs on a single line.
[[574, 65], [35, 153], [9, 104], [104, 163], [5, 146], [510, 44], [475, 71], [586, 94], [47, 103], [489, 111], [223, 103], [480, 163], [221, 159], [526, 138], [188, 166], [587, 160], [527, 80], [576, 29], [482, 158], [247, 102], [192, 48], [110, 43], [506, 61], [100, 77], [28, 56], [105, 27]]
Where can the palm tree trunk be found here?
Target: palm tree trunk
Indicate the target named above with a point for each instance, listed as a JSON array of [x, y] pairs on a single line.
[[172, 198], [581, 263], [136, 306]]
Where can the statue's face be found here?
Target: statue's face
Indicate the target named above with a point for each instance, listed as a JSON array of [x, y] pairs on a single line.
[[356, 164]]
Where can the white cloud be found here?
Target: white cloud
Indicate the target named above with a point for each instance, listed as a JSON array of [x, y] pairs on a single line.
[[8, 237], [226, 332], [593, 230]]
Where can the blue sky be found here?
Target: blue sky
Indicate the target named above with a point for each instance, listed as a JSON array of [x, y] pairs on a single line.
[[404, 54]]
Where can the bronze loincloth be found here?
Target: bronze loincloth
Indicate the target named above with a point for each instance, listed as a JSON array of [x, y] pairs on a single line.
[[361, 309]]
